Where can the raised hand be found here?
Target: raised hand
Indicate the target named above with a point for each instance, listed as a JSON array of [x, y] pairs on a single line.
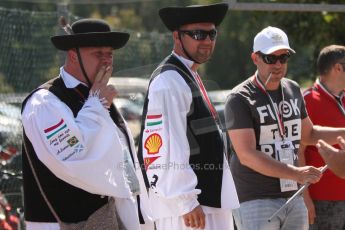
[[334, 158], [101, 88]]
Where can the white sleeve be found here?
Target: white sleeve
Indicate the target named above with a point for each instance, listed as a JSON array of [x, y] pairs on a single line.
[[166, 148], [84, 151]]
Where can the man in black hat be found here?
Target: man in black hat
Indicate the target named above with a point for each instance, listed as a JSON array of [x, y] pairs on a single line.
[[75, 140], [182, 146]]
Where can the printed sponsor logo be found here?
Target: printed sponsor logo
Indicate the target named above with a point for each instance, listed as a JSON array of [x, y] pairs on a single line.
[[68, 156], [152, 120], [153, 130], [72, 141], [53, 130], [62, 149], [154, 182], [77, 149], [149, 160], [153, 143]]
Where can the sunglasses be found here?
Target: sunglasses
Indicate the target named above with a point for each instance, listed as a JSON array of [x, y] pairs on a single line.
[[201, 35], [272, 59]]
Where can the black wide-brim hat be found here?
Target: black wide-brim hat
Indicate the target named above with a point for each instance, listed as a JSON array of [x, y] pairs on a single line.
[[90, 33], [175, 17]]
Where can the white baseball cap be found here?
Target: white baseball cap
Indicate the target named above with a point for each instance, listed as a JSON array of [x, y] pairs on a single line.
[[270, 40]]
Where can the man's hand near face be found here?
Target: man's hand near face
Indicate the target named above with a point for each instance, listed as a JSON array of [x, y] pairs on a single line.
[[107, 93]]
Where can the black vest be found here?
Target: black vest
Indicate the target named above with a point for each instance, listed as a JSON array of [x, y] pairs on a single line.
[[205, 141], [71, 203]]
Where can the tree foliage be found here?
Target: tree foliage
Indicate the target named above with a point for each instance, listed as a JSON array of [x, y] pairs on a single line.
[[150, 41]]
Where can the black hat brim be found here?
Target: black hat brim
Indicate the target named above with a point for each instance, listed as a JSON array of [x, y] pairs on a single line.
[[116, 40], [175, 17]]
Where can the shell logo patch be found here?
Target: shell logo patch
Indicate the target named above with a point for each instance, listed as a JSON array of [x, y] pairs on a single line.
[[153, 143]]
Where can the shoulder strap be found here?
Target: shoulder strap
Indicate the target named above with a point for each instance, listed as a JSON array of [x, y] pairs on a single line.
[[169, 66], [39, 184]]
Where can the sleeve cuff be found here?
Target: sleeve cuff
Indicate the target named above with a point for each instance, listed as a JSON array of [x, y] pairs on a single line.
[[187, 204], [95, 103]]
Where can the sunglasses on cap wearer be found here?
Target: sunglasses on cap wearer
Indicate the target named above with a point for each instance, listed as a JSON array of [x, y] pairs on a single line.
[[200, 35], [272, 59]]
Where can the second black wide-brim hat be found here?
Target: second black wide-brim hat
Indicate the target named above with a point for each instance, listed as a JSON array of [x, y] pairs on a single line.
[[90, 33], [175, 17]]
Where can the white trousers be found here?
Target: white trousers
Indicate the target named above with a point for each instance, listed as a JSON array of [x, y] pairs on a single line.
[[221, 220]]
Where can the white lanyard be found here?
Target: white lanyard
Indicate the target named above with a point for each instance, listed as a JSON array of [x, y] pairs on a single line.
[[337, 99]]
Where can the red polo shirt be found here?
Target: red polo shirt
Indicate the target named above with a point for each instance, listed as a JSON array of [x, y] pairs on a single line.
[[324, 110]]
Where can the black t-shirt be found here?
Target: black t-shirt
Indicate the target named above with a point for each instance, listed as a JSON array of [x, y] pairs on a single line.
[[249, 107]]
